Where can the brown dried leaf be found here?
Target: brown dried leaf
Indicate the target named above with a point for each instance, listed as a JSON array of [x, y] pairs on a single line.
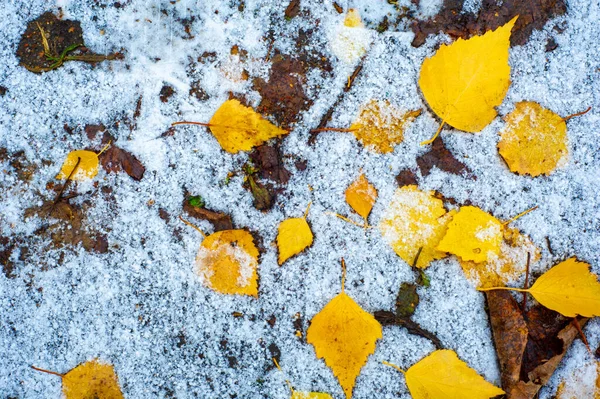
[[533, 15], [440, 157], [269, 163], [219, 220], [116, 159]]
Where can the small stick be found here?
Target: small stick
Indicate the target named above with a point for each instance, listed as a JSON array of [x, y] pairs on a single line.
[[526, 285], [520, 215], [575, 322], [417, 257], [47, 371], [344, 218], [566, 118], [353, 76], [44, 40], [394, 366], [503, 288], [437, 133], [289, 384], [192, 226], [104, 148], [62, 190]]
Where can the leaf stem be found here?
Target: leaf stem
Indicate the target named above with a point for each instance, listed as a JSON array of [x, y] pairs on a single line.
[[575, 322], [289, 384], [48, 371], [343, 274], [191, 123], [520, 215], [344, 218], [394, 366], [104, 149], [437, 133], [307, 209], [192, 226], [503, 288], [566, 118], [526, 285]]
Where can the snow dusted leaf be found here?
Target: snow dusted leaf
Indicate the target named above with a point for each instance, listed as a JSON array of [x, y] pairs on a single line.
[[293, 237], [569, 288], [361, 196], [442, 375], [465, 80], [86, 163], [239, 128], [415, 219], [508, 266], [351, 39], [534, 140], [344, 335], [91, 380], [227, 262], [380, 125], [583, 382], [473, 235], [310, 395]]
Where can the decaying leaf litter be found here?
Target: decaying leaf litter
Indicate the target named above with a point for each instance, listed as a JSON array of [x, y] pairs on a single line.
[[141, 284]]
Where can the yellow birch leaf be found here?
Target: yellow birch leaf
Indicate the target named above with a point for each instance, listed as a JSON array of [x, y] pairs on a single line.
[[442, 375], [239, 128], [465, 80], [569, 288], [361, 196], [380, 126], [227, 262], [473, 235], [351, 39], [534, 140], [91, 380], [294, 236], [415, 219], [310, 395], [86, 169], [344, 335], [509, 265]]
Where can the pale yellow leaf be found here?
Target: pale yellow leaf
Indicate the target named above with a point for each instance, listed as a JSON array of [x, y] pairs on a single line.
[[534, 140], [380, 125], [350, 39], [473, 235], [239, 128], [91, 380], [344, 335], [465, 80], [86, 169], [361, 196], [569, 288], [227, 262], [507, 266], [415, 219], [442, 375], [293, 237]]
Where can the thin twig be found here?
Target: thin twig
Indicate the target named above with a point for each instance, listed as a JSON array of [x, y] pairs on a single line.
[[47, 371], [192, 226], [62, 190], [583, 338], [566, 118], [526, 285], [520, 215], [394, 366], [437, 133]]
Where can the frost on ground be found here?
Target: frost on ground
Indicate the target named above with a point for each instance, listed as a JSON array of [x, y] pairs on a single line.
[[140, 305]]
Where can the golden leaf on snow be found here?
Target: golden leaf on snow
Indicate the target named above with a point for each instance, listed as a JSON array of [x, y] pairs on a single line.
[[463, 81], [344, 335], [509, 265], [351, 39], [361, 196], [415, 219], [227, 262], [442, 375], [239, 128], [473, 235], [87, 168], [380, 125], [534, 140], [294, 236]]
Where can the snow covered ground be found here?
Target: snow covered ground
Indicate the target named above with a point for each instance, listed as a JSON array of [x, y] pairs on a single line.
[[141, 307]]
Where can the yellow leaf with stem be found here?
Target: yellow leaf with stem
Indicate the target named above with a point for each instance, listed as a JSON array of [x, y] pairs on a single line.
[[472, 235], [80, 165], [227, 262], [463, 81], [442, 375], [534, 140], [361, 196], [294, 236], [239, 128], [568, 288], [380, 125], [344, 335], [350, 40], [91, 379], [415, 219]]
